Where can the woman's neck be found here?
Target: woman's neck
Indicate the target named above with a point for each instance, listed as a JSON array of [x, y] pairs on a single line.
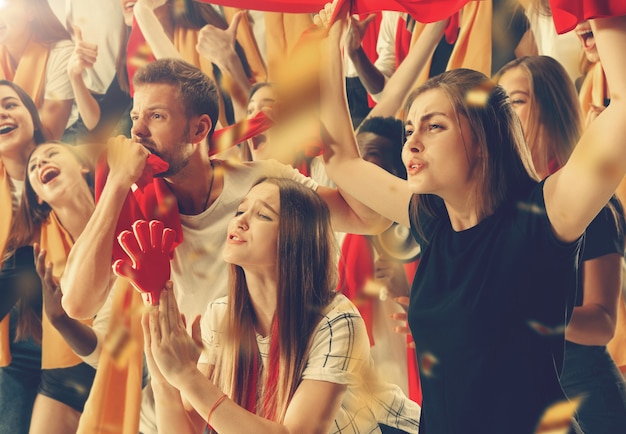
[[75, 214], [15, 164]]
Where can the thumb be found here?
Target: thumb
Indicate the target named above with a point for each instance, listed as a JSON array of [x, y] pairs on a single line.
[[234, 24], [123, 269], [196, 333], [78, 34], [368, 20]]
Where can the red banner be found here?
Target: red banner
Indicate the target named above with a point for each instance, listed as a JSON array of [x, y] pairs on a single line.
[[424, 11]]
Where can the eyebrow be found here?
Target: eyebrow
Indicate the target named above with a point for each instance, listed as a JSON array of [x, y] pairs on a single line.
[[427, 117], [519, 91], [7, 98], [265, 204], [152, 108]]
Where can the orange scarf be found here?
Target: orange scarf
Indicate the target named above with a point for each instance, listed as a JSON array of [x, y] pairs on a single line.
[[115, 399], [30, 73], [5, 227], [245, 37], [593, 91], [55, 353], [473, 45]]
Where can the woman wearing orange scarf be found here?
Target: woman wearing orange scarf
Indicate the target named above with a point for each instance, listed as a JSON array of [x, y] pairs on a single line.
[[34, 50], [57, 202]]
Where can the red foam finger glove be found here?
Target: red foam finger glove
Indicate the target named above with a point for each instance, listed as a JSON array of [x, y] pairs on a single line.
[[149, 247]]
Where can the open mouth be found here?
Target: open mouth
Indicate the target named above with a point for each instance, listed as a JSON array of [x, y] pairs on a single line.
[[48, 174], [7, 128], [587, 38]]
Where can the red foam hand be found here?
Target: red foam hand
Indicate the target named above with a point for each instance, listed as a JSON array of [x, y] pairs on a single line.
[[150, 248]]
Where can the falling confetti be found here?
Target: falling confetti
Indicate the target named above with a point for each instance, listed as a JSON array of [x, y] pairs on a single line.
[[545, 330], [427, 363], [558, 417], [531, 208]]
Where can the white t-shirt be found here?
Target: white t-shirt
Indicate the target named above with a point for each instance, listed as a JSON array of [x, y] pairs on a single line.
[[58, 86], [17, 187], [340, 353], [199, 273]]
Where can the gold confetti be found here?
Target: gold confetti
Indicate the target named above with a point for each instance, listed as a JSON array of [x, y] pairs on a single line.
[[427, 362], [558, 417], [531, 207]]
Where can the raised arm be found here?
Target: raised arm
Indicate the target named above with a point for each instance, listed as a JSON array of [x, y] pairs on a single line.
[[576, 193], [88, 273], [151, 28], [366, 182], [403, 80], [84, 56]]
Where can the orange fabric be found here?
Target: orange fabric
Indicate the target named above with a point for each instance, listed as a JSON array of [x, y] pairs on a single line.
[[115, 399], [282, 32], [5, 227], [30, 72], [55, 352], [245, 37], [473, 45], [593, 91]]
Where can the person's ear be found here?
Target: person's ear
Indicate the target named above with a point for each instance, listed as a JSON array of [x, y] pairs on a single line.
[[202, 128]]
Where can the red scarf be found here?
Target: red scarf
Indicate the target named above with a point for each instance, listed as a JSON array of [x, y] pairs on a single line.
[[568, 13]]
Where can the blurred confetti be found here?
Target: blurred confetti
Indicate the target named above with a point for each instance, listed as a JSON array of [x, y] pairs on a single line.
[[558, 417], [427, 363], [545, 330], [531, 207]]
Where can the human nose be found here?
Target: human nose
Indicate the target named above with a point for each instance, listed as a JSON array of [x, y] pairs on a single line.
[[241, 221], [139, 128], [413, 144]]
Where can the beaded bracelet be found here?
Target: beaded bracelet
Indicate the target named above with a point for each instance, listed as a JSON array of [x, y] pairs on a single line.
[[217, 402]]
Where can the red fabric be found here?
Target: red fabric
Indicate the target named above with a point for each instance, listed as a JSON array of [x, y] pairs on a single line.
[[369, 41], [568, 13], [356, 268], [424, 11], [415, 389], [138, 53], [153, 200], [452, 29], [403, 41], [239, 132]]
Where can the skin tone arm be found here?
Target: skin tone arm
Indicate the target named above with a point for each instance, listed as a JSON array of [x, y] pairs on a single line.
[[89, 262], [174, 355], [373, 80], [384, 193], [54, 115], [576, 193], [80, 337], [594, 322], [402, 81], [84, 56], [218, 46], [152, 29]]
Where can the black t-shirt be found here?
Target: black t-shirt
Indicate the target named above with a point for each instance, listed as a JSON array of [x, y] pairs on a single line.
[[488, 312]]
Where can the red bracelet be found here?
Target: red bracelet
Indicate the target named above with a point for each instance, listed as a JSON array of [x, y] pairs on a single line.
[[217, 402]]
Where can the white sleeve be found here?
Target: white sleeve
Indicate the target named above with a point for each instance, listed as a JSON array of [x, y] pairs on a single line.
[[58, 86], [275, 168], [340, 350], [386, 47], [100, 326], [210, 327]]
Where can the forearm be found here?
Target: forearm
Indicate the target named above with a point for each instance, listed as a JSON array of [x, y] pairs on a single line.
[[87, 105], [87, 274], [402, 81], [372, 79], [54, 115], [228, 417], [590, 325], [80, 337], [152, 30], [172, 416], [238, 86]]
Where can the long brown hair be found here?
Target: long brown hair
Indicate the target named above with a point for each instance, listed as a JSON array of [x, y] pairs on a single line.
[[307, 278], [506, 168], [555, 113]]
